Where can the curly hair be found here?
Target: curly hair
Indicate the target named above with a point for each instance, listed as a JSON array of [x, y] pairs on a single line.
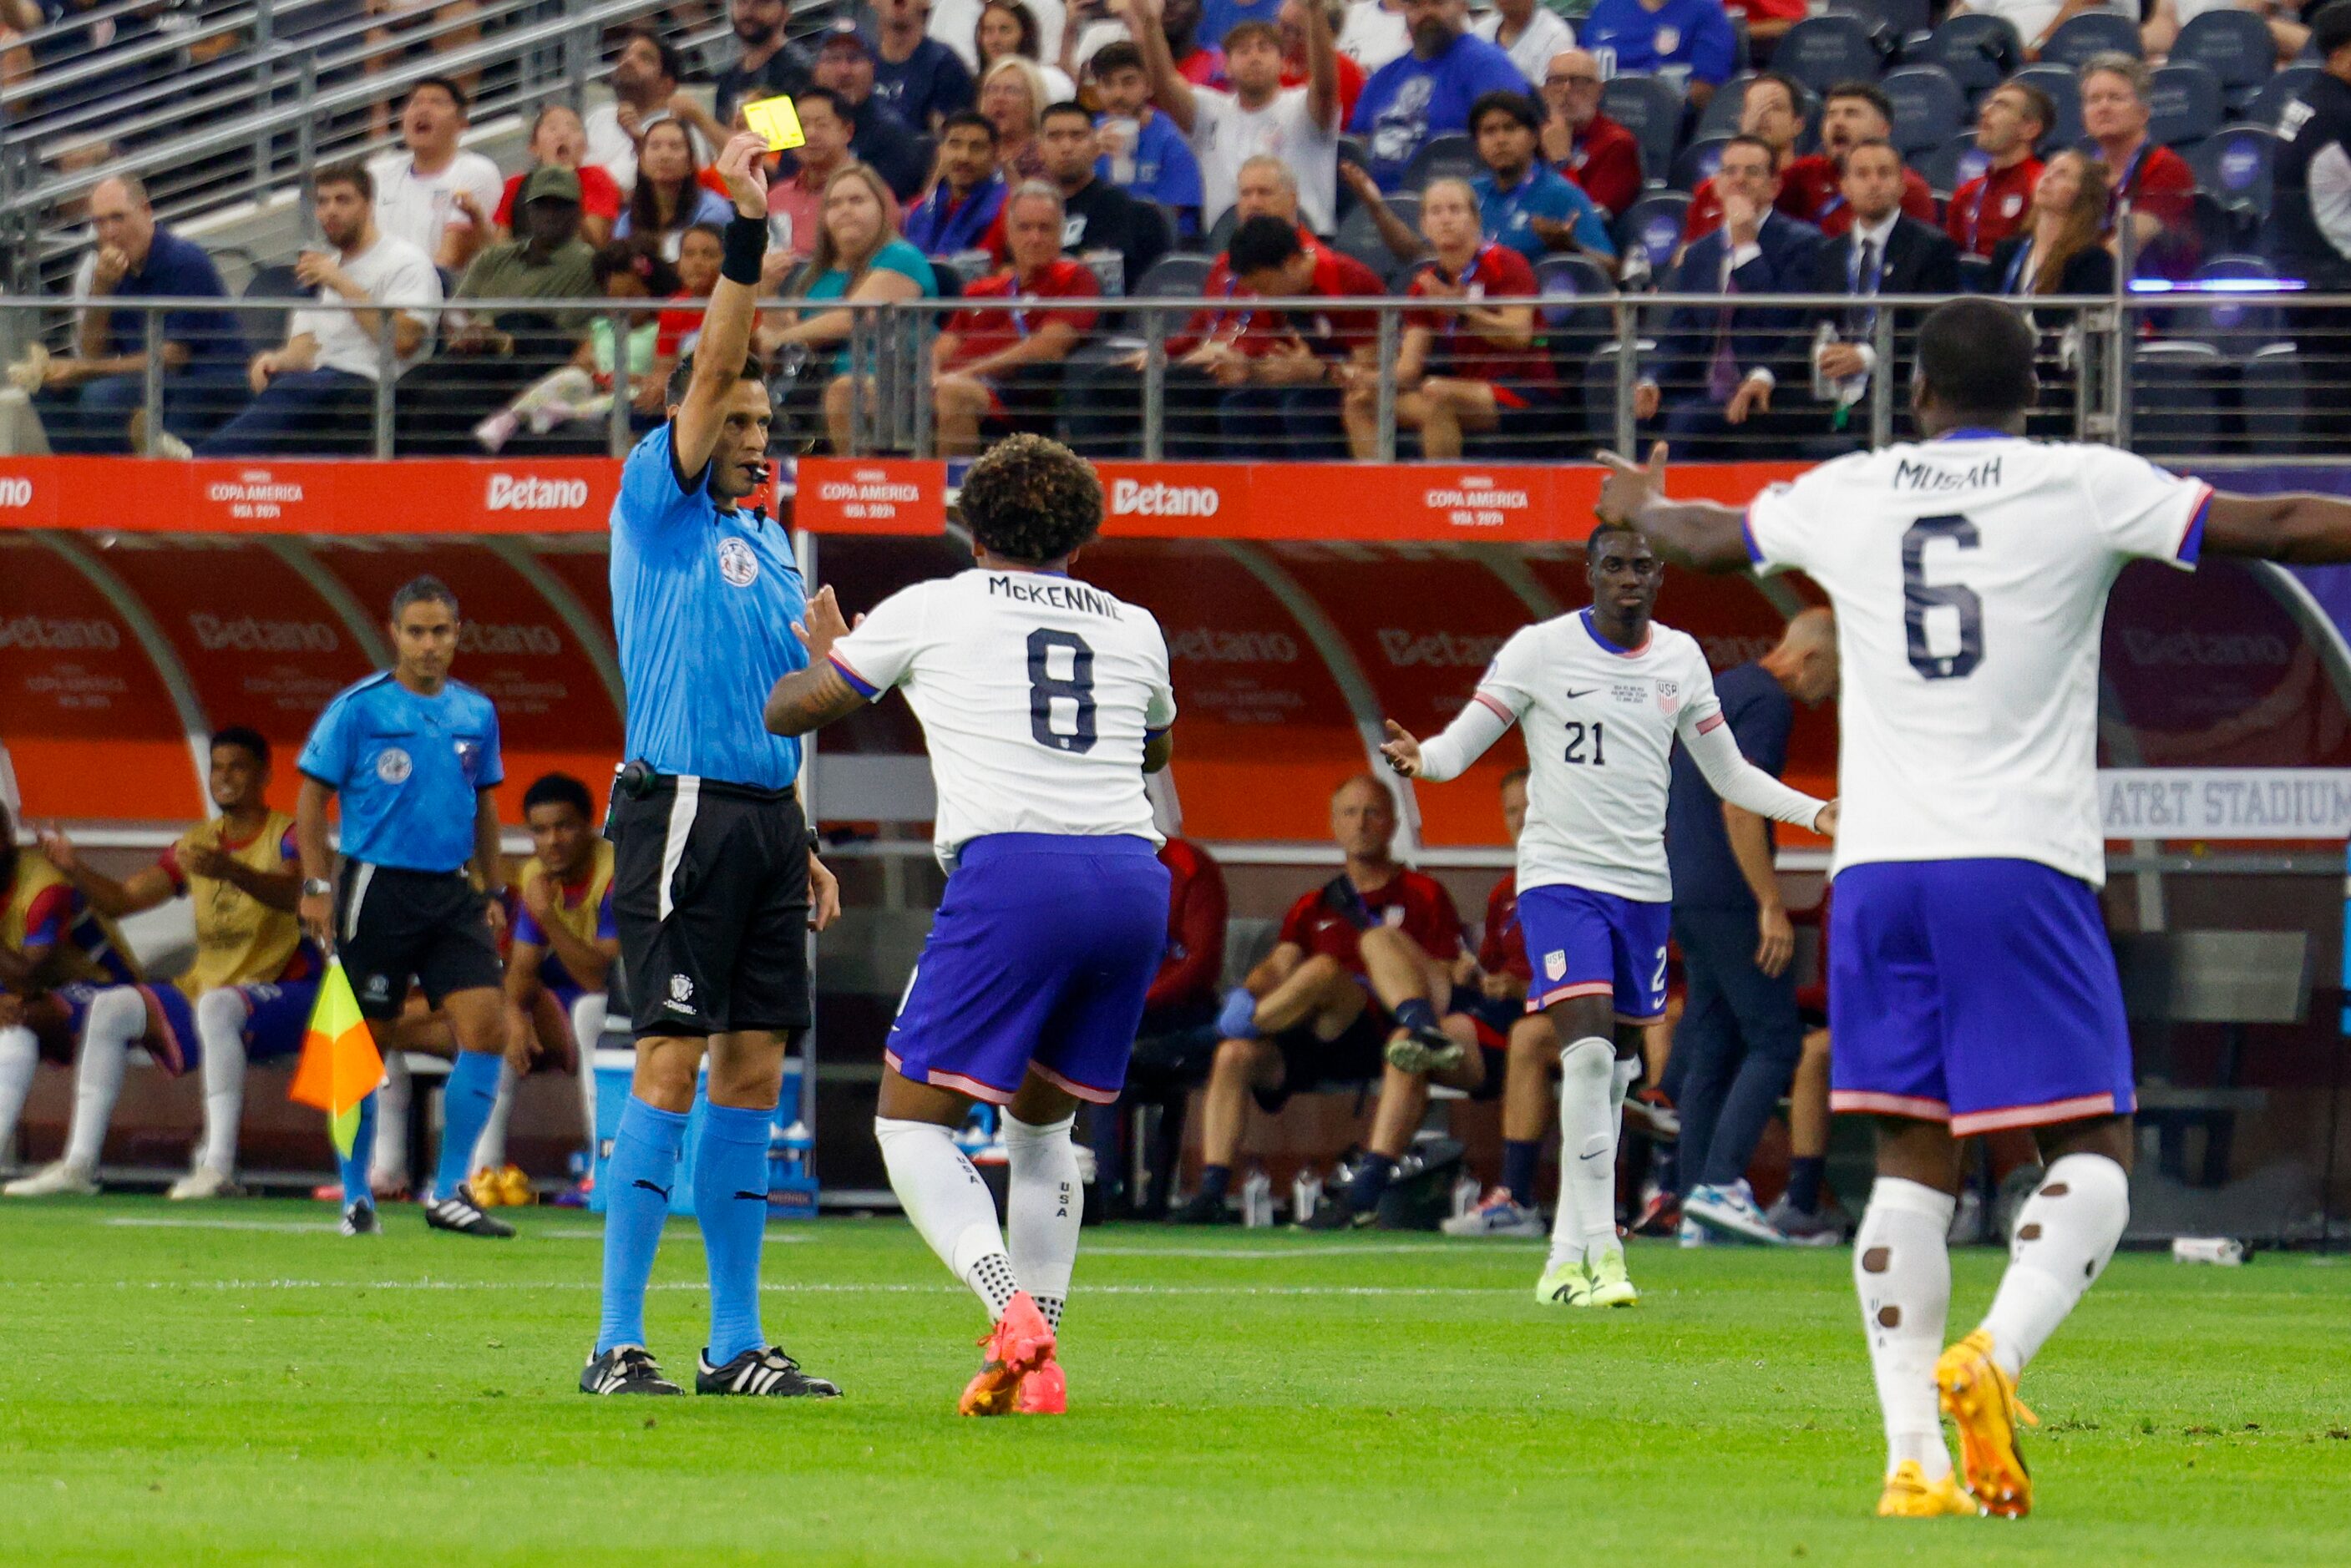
[[1031, 499]]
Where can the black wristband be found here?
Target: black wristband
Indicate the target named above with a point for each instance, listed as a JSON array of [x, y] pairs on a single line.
[[747, 243]]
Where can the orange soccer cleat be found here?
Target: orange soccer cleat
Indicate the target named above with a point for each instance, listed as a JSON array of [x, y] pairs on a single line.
[[1044, 1392], [1982, 1401], [1019, 1343]]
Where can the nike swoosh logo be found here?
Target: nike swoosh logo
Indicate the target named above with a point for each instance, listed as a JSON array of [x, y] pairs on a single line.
[[1587, 691], [1595, 1155]]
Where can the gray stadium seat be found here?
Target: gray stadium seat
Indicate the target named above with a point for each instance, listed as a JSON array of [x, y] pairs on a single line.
[[2234, 46], [1452, 153], [1583, 319], [1177, 275], [1953, 164], [2236, 323], [2269, 397], [1653, 225], [2091, 33], [1720, 116], [1979, 51], [2176, 390], [2268, 105], [1822, 51], [1221, 233], [2064, 90], [2233, 165], [1698, 162], [1928, 107], [1897, 19], [265, 327], [1359, 237], [1651, 109], [2184, 104]]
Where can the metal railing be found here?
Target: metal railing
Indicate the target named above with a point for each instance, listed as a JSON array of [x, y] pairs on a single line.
[[2179, 377]]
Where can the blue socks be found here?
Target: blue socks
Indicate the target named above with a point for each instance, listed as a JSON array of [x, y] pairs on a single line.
[[1414, 1012], [354, 1166], [1372, 1173], [1216, 1180], [637, 1184], [1804, 1173], [1519, 1158], [730, 1204], [465, 1102]]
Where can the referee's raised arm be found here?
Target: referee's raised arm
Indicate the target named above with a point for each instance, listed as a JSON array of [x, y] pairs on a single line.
[[699, 419]]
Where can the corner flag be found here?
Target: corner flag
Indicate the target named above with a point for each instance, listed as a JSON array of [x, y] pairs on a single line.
[[339, 1065]]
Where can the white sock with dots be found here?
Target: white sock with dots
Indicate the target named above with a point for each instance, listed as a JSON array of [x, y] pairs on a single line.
[[2064, 1234], [1902, 1271], [1586, 1221], [949, 1205], [20, 1053], [1045, 1207]]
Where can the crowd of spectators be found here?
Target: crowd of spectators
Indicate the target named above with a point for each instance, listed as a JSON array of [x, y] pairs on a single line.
[[1369, 124]]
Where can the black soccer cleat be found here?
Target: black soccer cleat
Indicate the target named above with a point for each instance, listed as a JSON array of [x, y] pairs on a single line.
[[766, 1371], [459, 1212], [626, 1369], [360, 1220], [1201, 1209], [1338, 1214]]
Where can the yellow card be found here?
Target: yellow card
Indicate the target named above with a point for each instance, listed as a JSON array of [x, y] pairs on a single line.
[[774, 118]]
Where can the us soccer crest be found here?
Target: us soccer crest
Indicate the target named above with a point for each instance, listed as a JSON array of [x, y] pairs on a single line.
[[1555, 965], [1669, 697], [1668, 40]]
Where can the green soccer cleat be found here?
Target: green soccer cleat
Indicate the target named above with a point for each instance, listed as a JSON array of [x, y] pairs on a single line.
[[1564, 1285], [1610, 1286]]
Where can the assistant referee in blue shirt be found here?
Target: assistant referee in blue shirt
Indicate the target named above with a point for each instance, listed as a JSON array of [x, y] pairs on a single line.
[[716, 880], [414, 755]]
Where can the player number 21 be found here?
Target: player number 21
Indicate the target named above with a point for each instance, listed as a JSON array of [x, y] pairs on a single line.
[[1599, 758], [1045, 688]]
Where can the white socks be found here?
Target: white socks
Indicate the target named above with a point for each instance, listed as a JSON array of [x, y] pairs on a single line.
[[951, 1207], [19, 1055], [116, 1018], [1902, 1271], [1046, 1205], [1586, 1221], [587, 1028], [490, 1149], [388, 1169], [2064, 1234], [220, 1034]]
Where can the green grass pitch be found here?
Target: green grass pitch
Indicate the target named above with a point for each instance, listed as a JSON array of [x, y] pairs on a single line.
[[233, 1383]]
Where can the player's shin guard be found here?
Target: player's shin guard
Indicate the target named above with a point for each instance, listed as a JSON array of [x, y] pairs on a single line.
[[20, 1053], [465, 1102], [116, 1018], [490, 1149], [355, 1166], [636, 1190], [1587, 1157], [388, 1167], [1045, 1208], [2064, 1234], [220, 1017], [730, 1204], [1902, 1271], [949, 1206]]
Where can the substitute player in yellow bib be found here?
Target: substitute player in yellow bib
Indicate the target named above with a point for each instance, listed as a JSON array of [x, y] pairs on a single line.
[[246, 996]]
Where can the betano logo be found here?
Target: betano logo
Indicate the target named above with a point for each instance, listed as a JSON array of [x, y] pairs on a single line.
[[496, 637], [16, 491], [1129, 498], [249, 634], [529, 493], [30, 631]]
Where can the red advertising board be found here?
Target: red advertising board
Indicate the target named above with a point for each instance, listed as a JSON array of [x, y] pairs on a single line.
[[871, 495], [412, 496]]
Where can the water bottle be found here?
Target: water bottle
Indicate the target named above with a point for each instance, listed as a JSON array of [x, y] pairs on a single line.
[[1465, 1194], [1256, 1200], [791, 1189], [1305, 1196]]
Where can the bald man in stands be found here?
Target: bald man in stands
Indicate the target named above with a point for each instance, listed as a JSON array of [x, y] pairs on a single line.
[[1736, 1048]]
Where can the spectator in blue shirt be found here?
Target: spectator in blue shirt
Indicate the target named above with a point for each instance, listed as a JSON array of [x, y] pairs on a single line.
[[1142, 152], [86, 400], [1429, 91], [1219, 17], [1523, 202], [921, 79], [1688, 40]]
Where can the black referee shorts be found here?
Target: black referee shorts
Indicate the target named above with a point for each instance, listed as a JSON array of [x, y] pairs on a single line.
[[432, 925], [710, 890]]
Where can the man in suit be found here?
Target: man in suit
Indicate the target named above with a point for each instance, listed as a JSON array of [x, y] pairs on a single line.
[[1717, 366], [1886, 251]]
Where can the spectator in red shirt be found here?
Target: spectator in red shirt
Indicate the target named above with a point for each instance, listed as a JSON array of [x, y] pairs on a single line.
[[2155, 181], [1006, 365], [1998, 202], [1177, 1037], [1463, 365], [1291, 24], [557, 138], [1282, 399], [1771, 113], [1202, 65], [1586, 145], [1307, 1013], [1768, 22], [1811, 188]]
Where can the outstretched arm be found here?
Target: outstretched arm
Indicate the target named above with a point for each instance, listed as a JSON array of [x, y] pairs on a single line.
[[727, 324], [1743, 784], [1479, 725], [1704, 535], [2296, 528]]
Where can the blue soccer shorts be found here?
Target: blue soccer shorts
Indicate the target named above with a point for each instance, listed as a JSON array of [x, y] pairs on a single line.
[[1583, 943], [1976, 993], [1041, 954], [277, 1017]]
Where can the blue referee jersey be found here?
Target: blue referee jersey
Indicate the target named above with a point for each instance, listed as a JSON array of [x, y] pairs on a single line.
[[407, 768], [704, 601]]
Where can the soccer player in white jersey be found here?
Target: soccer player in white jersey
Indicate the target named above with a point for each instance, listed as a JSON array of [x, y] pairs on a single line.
[[1971, 985], [1603, 695], [1043, 702]]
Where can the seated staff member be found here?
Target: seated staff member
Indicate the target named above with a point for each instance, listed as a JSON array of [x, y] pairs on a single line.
[[1006, 365]]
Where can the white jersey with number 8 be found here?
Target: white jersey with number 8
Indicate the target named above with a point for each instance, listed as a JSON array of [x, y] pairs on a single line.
[[1969, 578], [1037, 693]]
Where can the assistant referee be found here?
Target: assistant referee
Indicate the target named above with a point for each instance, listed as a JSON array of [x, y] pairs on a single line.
[[716, 880]]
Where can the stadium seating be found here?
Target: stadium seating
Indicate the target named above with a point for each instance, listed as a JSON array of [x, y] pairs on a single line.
[[1177, 275], [1978, 51], [1451, 155], [1697, 161], [1951, 165], [2234, 46], [1360, 237], [2184, 104], [1651, 109], [2268, 104], [1890, 21], [2064, 90], [1822, 51], [2091, 33], [2233, 166], [1928, 107], [1653, 225]]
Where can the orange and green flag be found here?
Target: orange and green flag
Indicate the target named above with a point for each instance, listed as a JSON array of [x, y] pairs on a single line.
[[340, 1067]]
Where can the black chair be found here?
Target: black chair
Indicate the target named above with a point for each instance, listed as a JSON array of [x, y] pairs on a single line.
[[1352, 150], [1822, 51], [1979, 51], [2184, 104], [1928, 107], [2064, 90], [1888, 20], [1359, 237], [2233, 166], [1653, 225], [263, 326], [2234, 46], [2218, 227], [2091, 33], [1451, 155], [1583, 319], [1177, 275], [2176, 386], [1721, 115], [2269, 103], [1951, 165], [2238, 325], [2270, 400], [1221, 233], [1651, 109], [1698, 162]]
